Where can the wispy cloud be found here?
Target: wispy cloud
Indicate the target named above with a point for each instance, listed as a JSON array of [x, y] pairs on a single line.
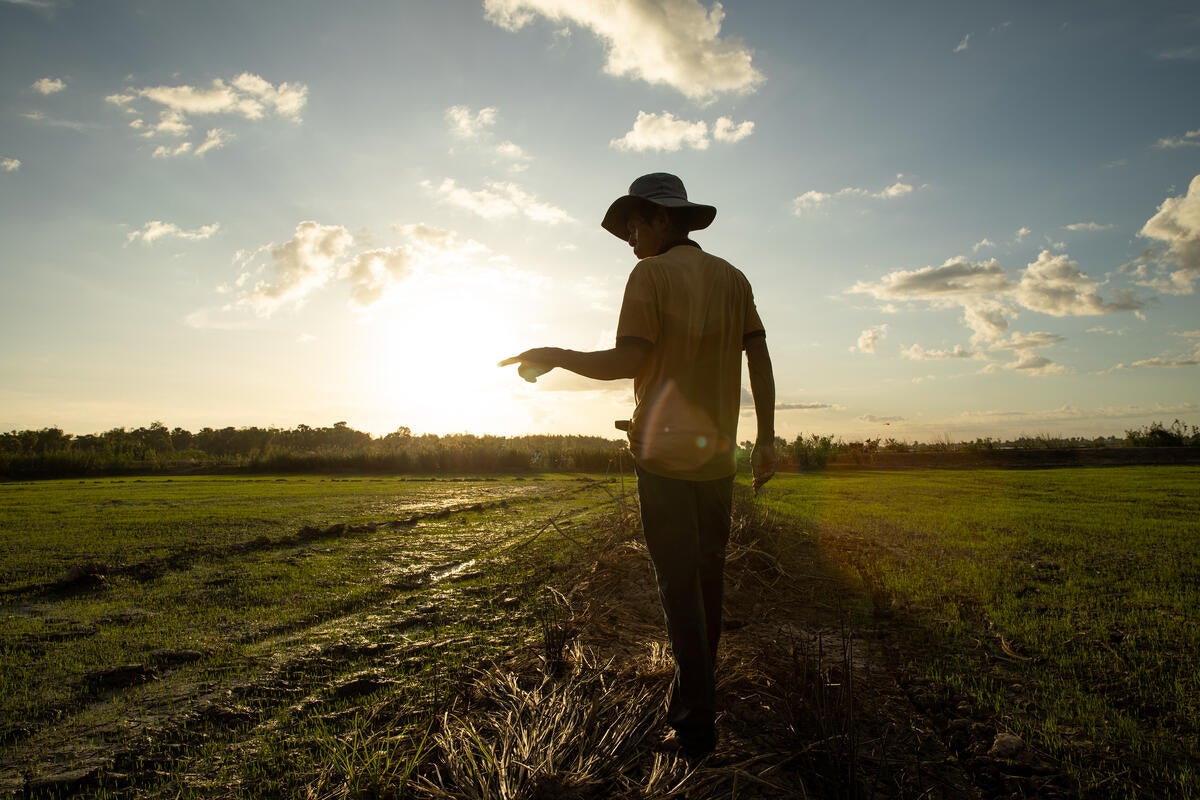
[[41, 118], [48, 85], [497, 200], [156, 229], [918, 353], [676, 43], [1189, 139], [477, 126], [1180, 54], [1088, 226], [982, 243], [814, 199], [1172, 360], [964, 44], [10, 164]]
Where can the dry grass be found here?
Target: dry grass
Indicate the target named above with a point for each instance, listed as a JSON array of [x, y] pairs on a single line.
[[583, 719]]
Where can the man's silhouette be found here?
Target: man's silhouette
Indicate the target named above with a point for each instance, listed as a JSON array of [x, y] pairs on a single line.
[[684, 322]]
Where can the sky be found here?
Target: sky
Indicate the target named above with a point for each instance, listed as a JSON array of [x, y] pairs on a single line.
[[960, 220]]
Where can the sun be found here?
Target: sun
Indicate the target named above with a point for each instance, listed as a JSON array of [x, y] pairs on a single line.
[[431, 363]]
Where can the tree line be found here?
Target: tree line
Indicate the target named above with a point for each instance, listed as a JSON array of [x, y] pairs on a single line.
[[51, 453]]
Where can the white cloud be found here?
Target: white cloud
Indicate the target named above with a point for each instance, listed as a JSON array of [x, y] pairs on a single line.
[[666, 132], [293, 269], [1158, 361], [170, 123], [1088, 226], [1190, 359], [808, 201], [989, 298], [663, 132], [802, 406], [987, 319], [275, 276], [813, 199], [1054, 285], [954, 280], [466, 124], [964, 44], [918, 353], [215, 138], [370, 273], [498, 200], [1028, 341], [676, 43], [869, 339], [1177, 227], [246, 96], [1189, 139], [725, 130], [1028, 363], [162, 151], [1022, 233], [515, 154], [10, 164], [982, 243], [48, 85], [157, 229]]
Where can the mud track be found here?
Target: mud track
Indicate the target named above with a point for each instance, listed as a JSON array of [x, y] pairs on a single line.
[[138, 719]]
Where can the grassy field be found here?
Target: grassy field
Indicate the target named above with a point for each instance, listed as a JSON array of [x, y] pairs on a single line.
[[321, 637], [1064, 603]]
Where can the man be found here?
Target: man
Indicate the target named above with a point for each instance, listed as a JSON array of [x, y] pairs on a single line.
[[684, 322]]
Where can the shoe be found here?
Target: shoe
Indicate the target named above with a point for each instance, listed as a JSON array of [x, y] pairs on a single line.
[[690, 750]]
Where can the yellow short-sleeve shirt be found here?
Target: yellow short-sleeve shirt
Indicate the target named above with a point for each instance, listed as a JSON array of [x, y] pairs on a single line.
[[697, 311]]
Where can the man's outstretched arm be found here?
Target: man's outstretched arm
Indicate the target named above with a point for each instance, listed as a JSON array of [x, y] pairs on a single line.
[[622, 361], [763, 460]]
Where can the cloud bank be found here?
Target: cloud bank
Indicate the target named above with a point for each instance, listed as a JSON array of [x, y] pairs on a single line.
[[675, 43]]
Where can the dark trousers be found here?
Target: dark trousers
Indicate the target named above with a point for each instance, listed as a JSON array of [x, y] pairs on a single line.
[[686, 524]]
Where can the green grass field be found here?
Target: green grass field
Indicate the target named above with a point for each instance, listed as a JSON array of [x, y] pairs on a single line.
[[1064, 601], [223, 636]]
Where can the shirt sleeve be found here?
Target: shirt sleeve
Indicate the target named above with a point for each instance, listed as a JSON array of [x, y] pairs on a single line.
[[639, 316], [753, 323]]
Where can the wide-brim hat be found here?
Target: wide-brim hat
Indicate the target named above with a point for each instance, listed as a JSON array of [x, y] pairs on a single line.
[[659, 189]]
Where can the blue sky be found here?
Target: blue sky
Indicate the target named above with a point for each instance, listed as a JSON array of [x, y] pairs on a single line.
[[960, 220]]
